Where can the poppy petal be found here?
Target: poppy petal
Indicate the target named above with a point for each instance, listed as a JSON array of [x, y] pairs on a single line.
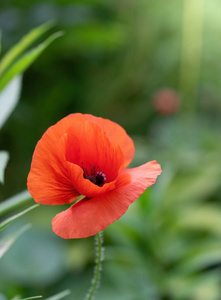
[[85, 186], [89, 216], [89, 151], [48, 180], [116, 134], [53, 180]]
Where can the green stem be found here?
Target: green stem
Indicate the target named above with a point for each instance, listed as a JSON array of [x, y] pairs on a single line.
[[97, 271]]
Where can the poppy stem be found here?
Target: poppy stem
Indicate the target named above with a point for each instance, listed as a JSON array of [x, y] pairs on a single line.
[[98, 267]]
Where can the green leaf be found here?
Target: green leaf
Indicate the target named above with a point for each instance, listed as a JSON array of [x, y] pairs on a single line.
[[26, 60], [55, 297], [29, 298], [204, 287], [201, 183], [9, 220], [35, 297], [20, 47], [8, 241], [204, 258], [203, 218], [4, 157], [9, 98], [14, 201], [60, 295]]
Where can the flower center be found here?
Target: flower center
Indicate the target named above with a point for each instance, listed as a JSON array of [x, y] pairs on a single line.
[[95, 175]]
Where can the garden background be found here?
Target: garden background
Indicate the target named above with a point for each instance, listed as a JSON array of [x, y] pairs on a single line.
[[154, 68]]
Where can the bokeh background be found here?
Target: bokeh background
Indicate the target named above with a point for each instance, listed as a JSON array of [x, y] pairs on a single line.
[[154, 67]]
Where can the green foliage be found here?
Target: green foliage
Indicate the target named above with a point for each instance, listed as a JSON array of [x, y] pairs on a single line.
[[112, 60], [16, 61], [169, 242], [55, 297], [9, 220], [60, 295], [26, 60], [9, 240], [22, 46], [14, 201], [30, 298]]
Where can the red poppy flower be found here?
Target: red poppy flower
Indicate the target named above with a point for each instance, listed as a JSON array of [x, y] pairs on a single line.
[[87, 155]]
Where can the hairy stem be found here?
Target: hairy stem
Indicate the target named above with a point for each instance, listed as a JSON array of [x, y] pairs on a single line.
[[97, 271]]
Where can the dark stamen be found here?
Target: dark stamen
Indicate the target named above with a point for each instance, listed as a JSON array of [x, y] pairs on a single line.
[[100, 178], [96, 177], [91, 178]]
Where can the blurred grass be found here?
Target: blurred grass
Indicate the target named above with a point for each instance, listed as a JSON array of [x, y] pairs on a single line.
[[111, 61]]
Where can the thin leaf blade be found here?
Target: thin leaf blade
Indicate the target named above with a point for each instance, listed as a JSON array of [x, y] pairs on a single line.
[[8, 241], [11, 219], [60, 295], [14, 201], [26, 60], [20, 47], [34, 297]]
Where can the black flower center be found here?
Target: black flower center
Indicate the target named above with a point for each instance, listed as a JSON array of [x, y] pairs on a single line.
[[95, 175]]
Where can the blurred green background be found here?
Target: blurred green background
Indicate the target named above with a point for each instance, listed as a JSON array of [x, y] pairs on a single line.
[[154, 68]]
